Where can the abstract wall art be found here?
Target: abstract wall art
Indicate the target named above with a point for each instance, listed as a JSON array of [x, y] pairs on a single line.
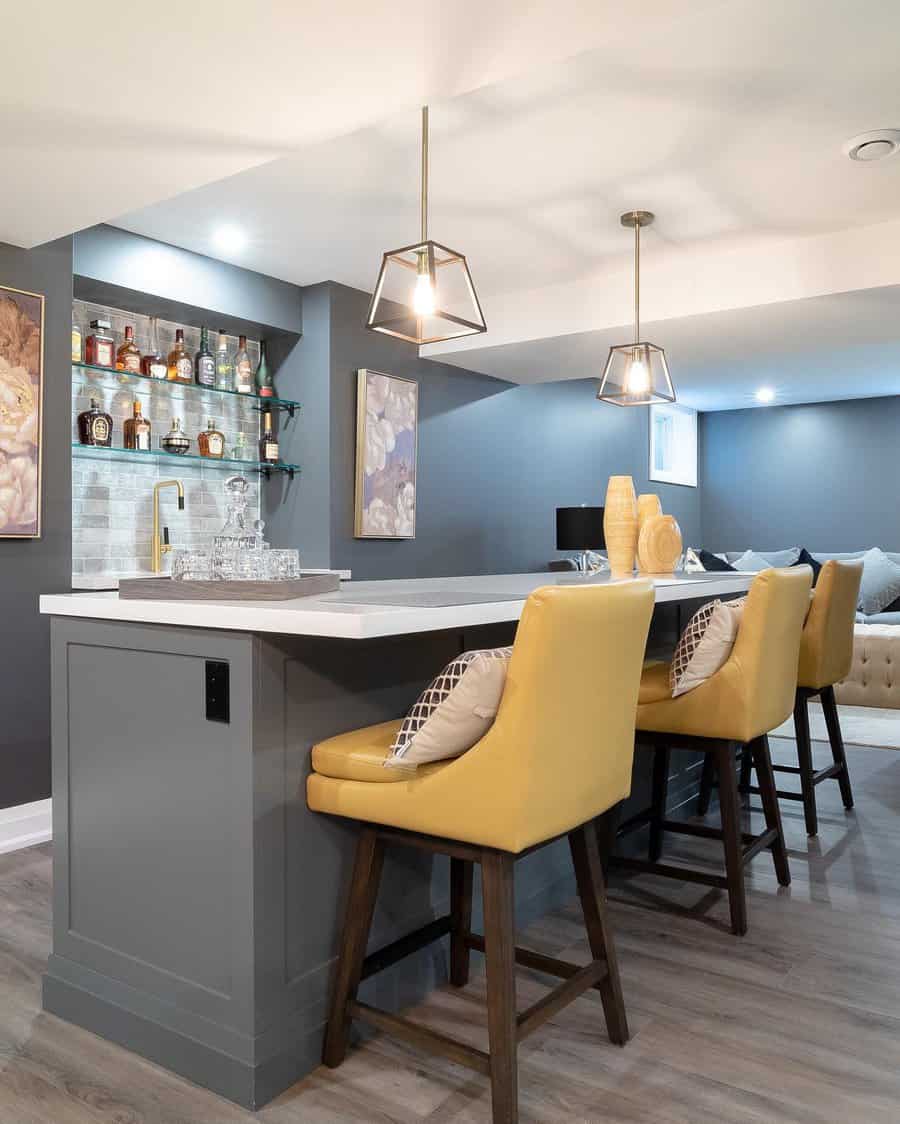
[[21, 388], [387, 420]]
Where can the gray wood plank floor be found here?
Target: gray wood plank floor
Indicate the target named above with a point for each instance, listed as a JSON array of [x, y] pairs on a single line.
[[799, 1021]]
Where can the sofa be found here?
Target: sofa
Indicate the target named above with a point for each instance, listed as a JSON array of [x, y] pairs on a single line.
[[874, 678]]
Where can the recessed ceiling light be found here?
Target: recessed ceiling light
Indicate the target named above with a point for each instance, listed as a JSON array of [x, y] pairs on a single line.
[[229, 239], [765, 394], [874, 145]]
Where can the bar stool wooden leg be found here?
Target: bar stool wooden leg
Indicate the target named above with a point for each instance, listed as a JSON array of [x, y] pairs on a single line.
[[805, 761], [661, 757], [769, 796], [746, 767], [357, 923], [460, 920], [731, 836], [499, 949], [592, 892], [836, 739], [706, 784]]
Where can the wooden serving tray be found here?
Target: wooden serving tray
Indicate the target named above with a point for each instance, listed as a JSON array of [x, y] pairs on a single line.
[[164, 589]]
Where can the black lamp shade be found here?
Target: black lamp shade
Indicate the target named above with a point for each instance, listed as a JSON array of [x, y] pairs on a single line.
[[579, 528]]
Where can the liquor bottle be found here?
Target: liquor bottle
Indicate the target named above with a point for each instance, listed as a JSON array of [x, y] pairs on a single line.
[[128, 357], [224, 369], [94, 426], [268, 443], [243, 370], [76, 339], [211, 442], [204, 362], [153, 364], [264, 386], [176, 440], [240, 450], [137, 430], [100, 347], [180, 368]]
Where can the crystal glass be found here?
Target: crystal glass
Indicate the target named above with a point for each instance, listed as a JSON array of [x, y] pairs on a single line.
[[250, 566], [191, 565], [282, 565]]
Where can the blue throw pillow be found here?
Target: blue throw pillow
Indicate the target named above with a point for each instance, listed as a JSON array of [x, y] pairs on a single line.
[[781, 557], [880, 582], [806, 559]]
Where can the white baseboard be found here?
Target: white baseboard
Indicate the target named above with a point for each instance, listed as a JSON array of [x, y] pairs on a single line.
[[25, 825]]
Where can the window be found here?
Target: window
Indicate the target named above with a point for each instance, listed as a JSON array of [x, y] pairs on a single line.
[[673, 444]]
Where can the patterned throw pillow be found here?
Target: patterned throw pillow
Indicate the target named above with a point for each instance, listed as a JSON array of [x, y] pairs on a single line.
[[705, 644], [454, 711]]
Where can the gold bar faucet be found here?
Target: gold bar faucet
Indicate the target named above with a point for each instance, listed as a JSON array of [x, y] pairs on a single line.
[[160, 543]]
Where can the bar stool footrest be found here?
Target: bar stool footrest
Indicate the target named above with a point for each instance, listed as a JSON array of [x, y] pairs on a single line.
[[418, 1035]]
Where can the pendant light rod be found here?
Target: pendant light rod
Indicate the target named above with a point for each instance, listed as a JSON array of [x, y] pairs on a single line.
[[424, 173], [637, 219]]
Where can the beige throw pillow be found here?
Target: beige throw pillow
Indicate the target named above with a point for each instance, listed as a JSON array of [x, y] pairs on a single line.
[[454, 711], [705, 644]]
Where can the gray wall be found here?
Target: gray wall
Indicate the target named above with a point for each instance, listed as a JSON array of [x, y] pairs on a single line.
[[822, 476], [494, 460], [29, 567]]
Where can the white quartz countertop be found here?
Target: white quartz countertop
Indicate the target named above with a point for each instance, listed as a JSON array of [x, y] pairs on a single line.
[[364, 610]]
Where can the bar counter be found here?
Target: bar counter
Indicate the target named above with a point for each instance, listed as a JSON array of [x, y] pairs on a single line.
[[196, 899]]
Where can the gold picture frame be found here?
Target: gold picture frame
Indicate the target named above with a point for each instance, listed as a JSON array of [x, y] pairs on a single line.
[[21, 412], [387, 437]]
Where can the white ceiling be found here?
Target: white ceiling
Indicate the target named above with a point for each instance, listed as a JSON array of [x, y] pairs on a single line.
[[845, 345], [105, 108], [728, 122], [298, 123]]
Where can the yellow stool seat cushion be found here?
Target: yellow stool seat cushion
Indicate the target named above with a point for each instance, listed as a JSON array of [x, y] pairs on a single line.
[[654, 682], [360, 755]]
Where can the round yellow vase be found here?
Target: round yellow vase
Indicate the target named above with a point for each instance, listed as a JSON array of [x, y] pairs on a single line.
[[659, 544], [620, 525]]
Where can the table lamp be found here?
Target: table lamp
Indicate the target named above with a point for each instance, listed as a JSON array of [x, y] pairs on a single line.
[[581, 529]]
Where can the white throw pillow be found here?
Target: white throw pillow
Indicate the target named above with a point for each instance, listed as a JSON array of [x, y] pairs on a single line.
[[705, 644], [692, 563], [880, 584], [454, 711]]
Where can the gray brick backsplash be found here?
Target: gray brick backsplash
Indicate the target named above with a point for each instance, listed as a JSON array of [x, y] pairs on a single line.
[[112, 500]]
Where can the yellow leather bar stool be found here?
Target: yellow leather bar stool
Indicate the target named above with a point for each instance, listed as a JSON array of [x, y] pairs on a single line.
[[558, 755], [826, 653], [751, 694]]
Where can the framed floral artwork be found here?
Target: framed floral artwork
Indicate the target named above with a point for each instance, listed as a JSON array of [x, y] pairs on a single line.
[[21, 410], [387, 424]]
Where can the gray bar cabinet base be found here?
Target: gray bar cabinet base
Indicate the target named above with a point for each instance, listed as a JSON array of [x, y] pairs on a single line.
[[197, 901]]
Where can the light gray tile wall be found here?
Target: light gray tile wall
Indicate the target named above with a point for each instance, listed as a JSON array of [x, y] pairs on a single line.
[[112, 499]]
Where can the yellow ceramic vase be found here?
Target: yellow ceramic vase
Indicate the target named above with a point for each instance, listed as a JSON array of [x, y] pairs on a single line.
[[647, 504], [620, 525], [659, 544]]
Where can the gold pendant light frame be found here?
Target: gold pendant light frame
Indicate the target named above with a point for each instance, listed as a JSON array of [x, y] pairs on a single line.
[[457, 310], [622, 358]]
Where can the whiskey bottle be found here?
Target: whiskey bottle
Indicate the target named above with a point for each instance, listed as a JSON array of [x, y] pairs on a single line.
[[100, 347], [94, 426], [136, 431], [204, 362], [128, 357], [268, 443], [153, 364], [176, 440], [224, 369], [243, 369], [264, 386], [180, 368], [211, 442]]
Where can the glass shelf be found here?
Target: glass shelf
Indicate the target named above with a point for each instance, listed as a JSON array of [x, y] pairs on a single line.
[[259, 403], [99, 452]]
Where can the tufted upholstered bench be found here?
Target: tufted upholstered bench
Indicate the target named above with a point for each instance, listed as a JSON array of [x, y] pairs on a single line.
[[874, 678]]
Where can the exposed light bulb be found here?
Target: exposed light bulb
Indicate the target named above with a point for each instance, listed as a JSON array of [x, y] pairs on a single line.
[[423, 295], [765, 394], [637, 378]]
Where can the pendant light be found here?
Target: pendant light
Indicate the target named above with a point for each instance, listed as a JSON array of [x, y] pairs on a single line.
[[636, 374], [424, 292]]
